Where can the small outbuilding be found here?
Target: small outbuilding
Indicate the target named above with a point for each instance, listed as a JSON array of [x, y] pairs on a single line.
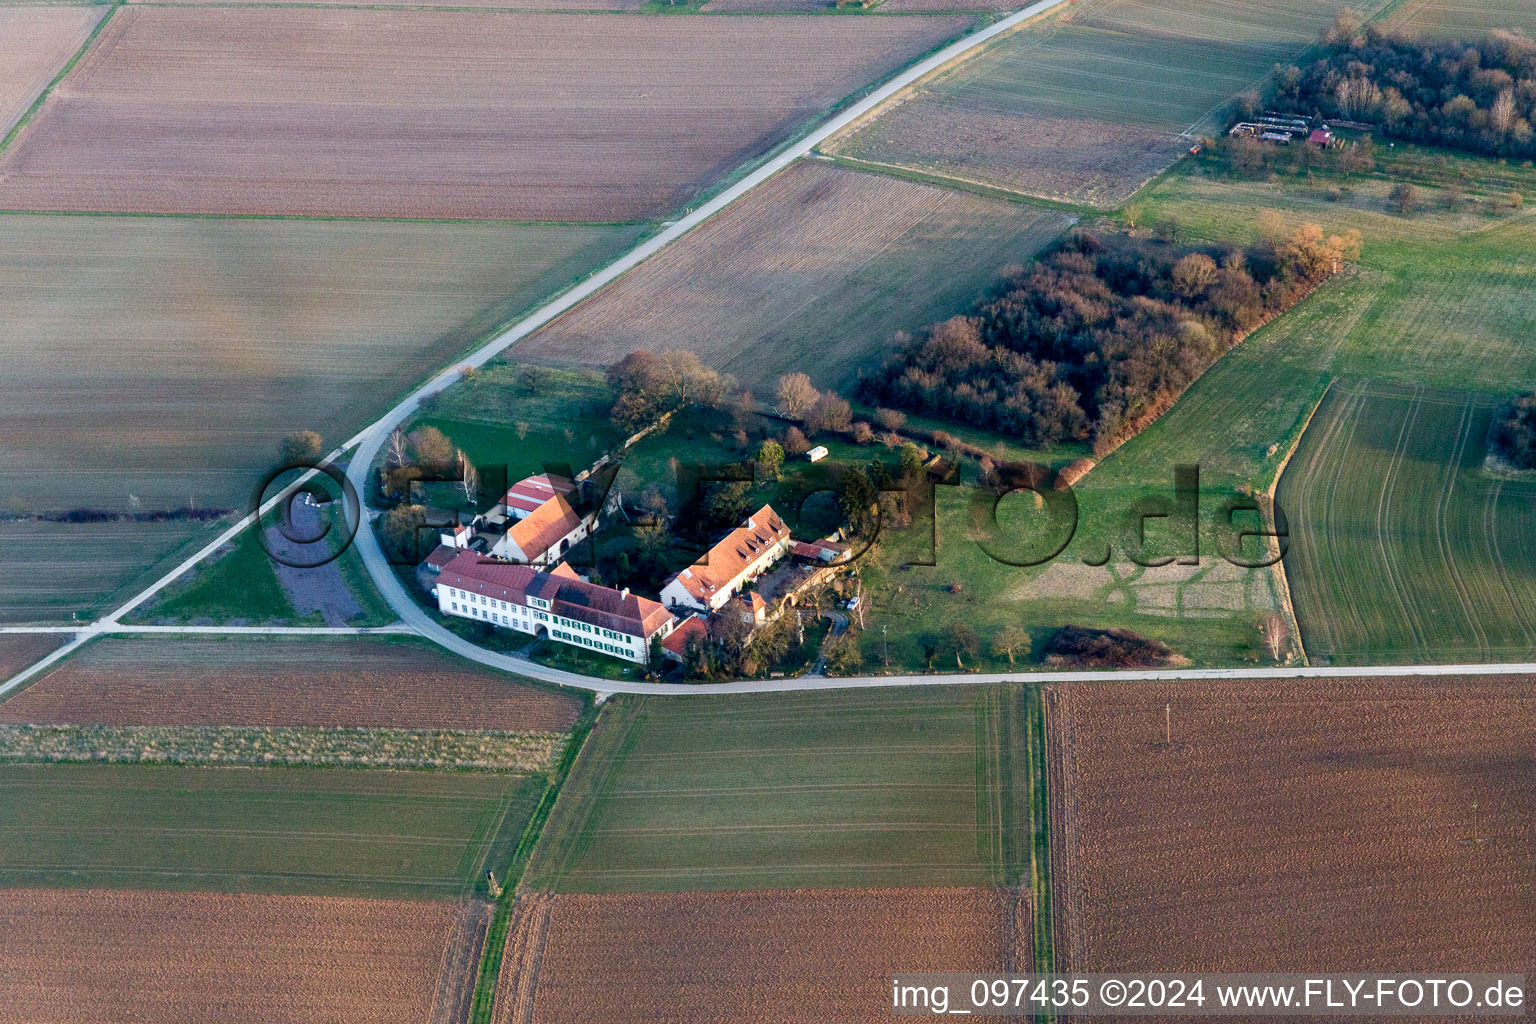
[[817, 454]]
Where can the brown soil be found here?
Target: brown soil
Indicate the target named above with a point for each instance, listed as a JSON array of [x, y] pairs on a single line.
[[350, 683], [755, 290], [1337, 825], [283, 110], [38, 42], [765, 957], [1065, 158], [18, 650], [100, 957]]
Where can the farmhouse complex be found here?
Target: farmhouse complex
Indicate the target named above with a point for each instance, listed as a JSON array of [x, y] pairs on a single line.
[[505, 568], [559, 605]]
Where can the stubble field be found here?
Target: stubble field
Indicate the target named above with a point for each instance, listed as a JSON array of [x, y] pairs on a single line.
[[38, 42], [1403, 547], [164, 358], [1350, 824], [102, 957], [434, 113], [1088, 105], [414, 835], [767, 957], [349, 683], [902, 789], [813, 272]]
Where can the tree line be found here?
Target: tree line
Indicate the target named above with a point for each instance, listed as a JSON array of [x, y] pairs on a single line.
[[1478, 96], [1100, 335]]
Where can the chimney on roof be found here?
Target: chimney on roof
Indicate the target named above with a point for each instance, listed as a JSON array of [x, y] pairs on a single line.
[[624, 593]]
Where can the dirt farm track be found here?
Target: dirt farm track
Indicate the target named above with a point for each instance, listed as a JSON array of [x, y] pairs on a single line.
[[1362, 824], [272, 110]]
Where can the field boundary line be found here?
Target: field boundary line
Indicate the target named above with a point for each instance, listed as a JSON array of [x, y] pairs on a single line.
[[1282, 576], [69, 65], [955, 183]]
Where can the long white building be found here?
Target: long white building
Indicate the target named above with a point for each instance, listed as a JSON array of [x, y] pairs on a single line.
[[559, 605]]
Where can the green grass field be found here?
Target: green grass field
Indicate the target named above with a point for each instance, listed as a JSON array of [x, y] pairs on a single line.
[[862, 789], [1404, 547], [520, 416], [325, 831], [242, 585]]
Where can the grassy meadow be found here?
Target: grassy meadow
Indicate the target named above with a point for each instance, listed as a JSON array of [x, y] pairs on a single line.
[[518, 417], [309, 831], [785, 791]]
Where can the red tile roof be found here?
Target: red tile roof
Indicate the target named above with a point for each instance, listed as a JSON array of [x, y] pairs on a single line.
[[734, 553], [531, 492], [543, 528], [571, 598], [443, 555], [677, 640]]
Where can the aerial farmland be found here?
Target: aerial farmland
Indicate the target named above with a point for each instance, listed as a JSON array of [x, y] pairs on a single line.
[[1085, 108], [287, 119], [810, 491], [755, 291], [97, 955], [1227, 827], [39, 41]]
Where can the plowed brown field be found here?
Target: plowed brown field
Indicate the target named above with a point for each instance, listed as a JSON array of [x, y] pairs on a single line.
[[350, 683], [38, 41], [434, 113], [813, 272], [18, 650], [103, 957], [1294, 825], [1071, 159], [765, 957]]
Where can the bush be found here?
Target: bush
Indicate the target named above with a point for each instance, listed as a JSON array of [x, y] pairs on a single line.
[[1514, 433], [1081, 647], [300, 448]]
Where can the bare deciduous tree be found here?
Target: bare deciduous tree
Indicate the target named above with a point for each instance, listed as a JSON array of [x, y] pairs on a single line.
[[395, 453], [796, 395], [1274, 633], [469, 479]]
